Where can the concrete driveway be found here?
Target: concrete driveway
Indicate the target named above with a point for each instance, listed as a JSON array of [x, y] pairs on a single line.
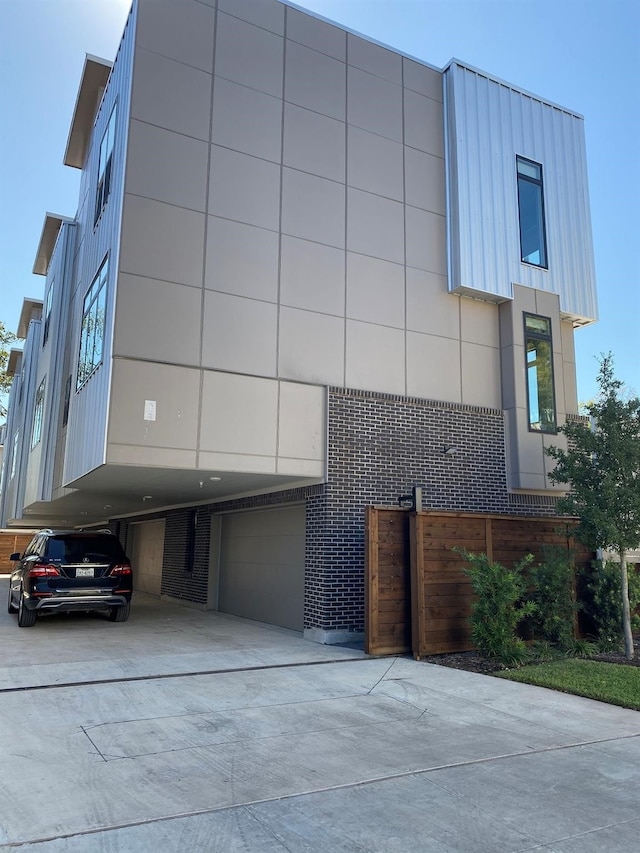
[[189, 731]]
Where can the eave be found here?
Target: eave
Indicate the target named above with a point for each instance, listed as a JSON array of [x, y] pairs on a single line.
[[50, 230], [29, 306], [92, 85]]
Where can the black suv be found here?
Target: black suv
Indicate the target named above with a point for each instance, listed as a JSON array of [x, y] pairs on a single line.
[[70, 570]]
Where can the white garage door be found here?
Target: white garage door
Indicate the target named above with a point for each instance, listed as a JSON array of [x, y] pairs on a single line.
[[147, 556], [262, 566]]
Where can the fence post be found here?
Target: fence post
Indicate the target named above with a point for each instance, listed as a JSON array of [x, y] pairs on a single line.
[[371, 592]]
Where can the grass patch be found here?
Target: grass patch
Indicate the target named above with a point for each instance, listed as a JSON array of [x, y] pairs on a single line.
[[608, 682]]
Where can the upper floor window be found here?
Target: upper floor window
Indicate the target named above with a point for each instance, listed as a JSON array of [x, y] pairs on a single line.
[[92, 330], [38, 413], [105, 166], [47, 314], [67, 402], [539, 363], [533, 242], [14, 454]]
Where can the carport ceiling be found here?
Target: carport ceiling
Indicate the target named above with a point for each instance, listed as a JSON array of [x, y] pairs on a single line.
[[118, 490]]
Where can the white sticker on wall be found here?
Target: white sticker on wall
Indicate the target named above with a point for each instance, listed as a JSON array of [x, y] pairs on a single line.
[[149, 410]]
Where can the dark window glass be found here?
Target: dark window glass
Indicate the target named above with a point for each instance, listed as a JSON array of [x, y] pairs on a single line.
[[533, 247], [105, 164], [72, 549], [539, 355], [47, 315], [67, 401]]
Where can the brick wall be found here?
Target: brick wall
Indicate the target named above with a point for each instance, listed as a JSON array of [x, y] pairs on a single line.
[[380, 446]]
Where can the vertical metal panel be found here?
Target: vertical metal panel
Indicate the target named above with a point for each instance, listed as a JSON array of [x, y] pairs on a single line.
[[488, 124], [49, 367], [86, 431], [20, 422]]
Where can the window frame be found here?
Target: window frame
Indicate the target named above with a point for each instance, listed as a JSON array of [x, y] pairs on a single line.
[[539, 183], [105, 165], [38, 414], [94, 298], [47, 314], [532, 334]]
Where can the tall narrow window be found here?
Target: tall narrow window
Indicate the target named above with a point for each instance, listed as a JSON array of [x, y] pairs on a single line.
[[539, 355], [14, 454], [47, 314], [38, 414], [67, 402], [533, 243], [92, 331], [105, 166]]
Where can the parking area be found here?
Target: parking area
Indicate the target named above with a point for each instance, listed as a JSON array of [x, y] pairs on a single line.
[[160, 638], [183, 730]]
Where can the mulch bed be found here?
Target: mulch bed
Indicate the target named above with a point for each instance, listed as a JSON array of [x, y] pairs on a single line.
[[475, 662]]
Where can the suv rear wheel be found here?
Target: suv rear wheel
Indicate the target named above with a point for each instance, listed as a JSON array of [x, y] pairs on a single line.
[[26, 618], [121, 613]]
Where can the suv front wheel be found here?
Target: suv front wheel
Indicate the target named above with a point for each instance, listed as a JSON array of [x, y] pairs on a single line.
[[26, 618]]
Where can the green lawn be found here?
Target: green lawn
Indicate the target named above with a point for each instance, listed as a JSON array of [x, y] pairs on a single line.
[[608, 682]]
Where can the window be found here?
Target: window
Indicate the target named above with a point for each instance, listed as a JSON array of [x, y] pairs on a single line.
[[533, 243], [67, 401], [14, 454], [36, 435], [539, 364], [47, 314], [92, 331], [105, 166]]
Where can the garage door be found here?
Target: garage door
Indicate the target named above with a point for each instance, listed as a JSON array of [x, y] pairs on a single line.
[[147, 556], [262, 566]]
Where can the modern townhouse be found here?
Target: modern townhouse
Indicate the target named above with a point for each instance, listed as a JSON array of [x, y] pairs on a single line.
[[306, 273]]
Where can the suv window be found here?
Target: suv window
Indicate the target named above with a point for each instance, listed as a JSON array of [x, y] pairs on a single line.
[[76, 548]]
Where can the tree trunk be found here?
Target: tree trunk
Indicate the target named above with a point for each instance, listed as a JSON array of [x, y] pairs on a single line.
[[626, 612]]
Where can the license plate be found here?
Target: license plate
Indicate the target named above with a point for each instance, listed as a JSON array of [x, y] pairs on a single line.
[[84, 573]]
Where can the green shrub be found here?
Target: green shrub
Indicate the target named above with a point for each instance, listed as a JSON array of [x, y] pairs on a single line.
[[499, 606], [552, 593], [602, 601]]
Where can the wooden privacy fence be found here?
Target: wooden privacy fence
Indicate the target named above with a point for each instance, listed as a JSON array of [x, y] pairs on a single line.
[[418, 596], [11, 541]]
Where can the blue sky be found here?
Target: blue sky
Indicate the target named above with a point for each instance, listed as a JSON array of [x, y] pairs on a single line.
[[582, 54]]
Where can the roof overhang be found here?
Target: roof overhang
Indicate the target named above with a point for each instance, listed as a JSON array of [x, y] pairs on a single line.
[[94, 79], [50, 230], [13, 362], [29, 307]]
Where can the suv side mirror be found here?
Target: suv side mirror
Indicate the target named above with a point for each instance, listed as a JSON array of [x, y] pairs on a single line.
[[15, 557]]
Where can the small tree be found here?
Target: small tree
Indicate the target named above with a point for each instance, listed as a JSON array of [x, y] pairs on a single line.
[[6, 338], [499, 606], [602, 469]]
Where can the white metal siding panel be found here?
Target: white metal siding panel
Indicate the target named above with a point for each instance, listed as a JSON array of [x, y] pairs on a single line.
[[488, 125], [86, 432], [49, 358]]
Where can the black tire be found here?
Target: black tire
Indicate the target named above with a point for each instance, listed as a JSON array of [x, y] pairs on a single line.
[[11, 608], [26, 618], [120, 613]]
